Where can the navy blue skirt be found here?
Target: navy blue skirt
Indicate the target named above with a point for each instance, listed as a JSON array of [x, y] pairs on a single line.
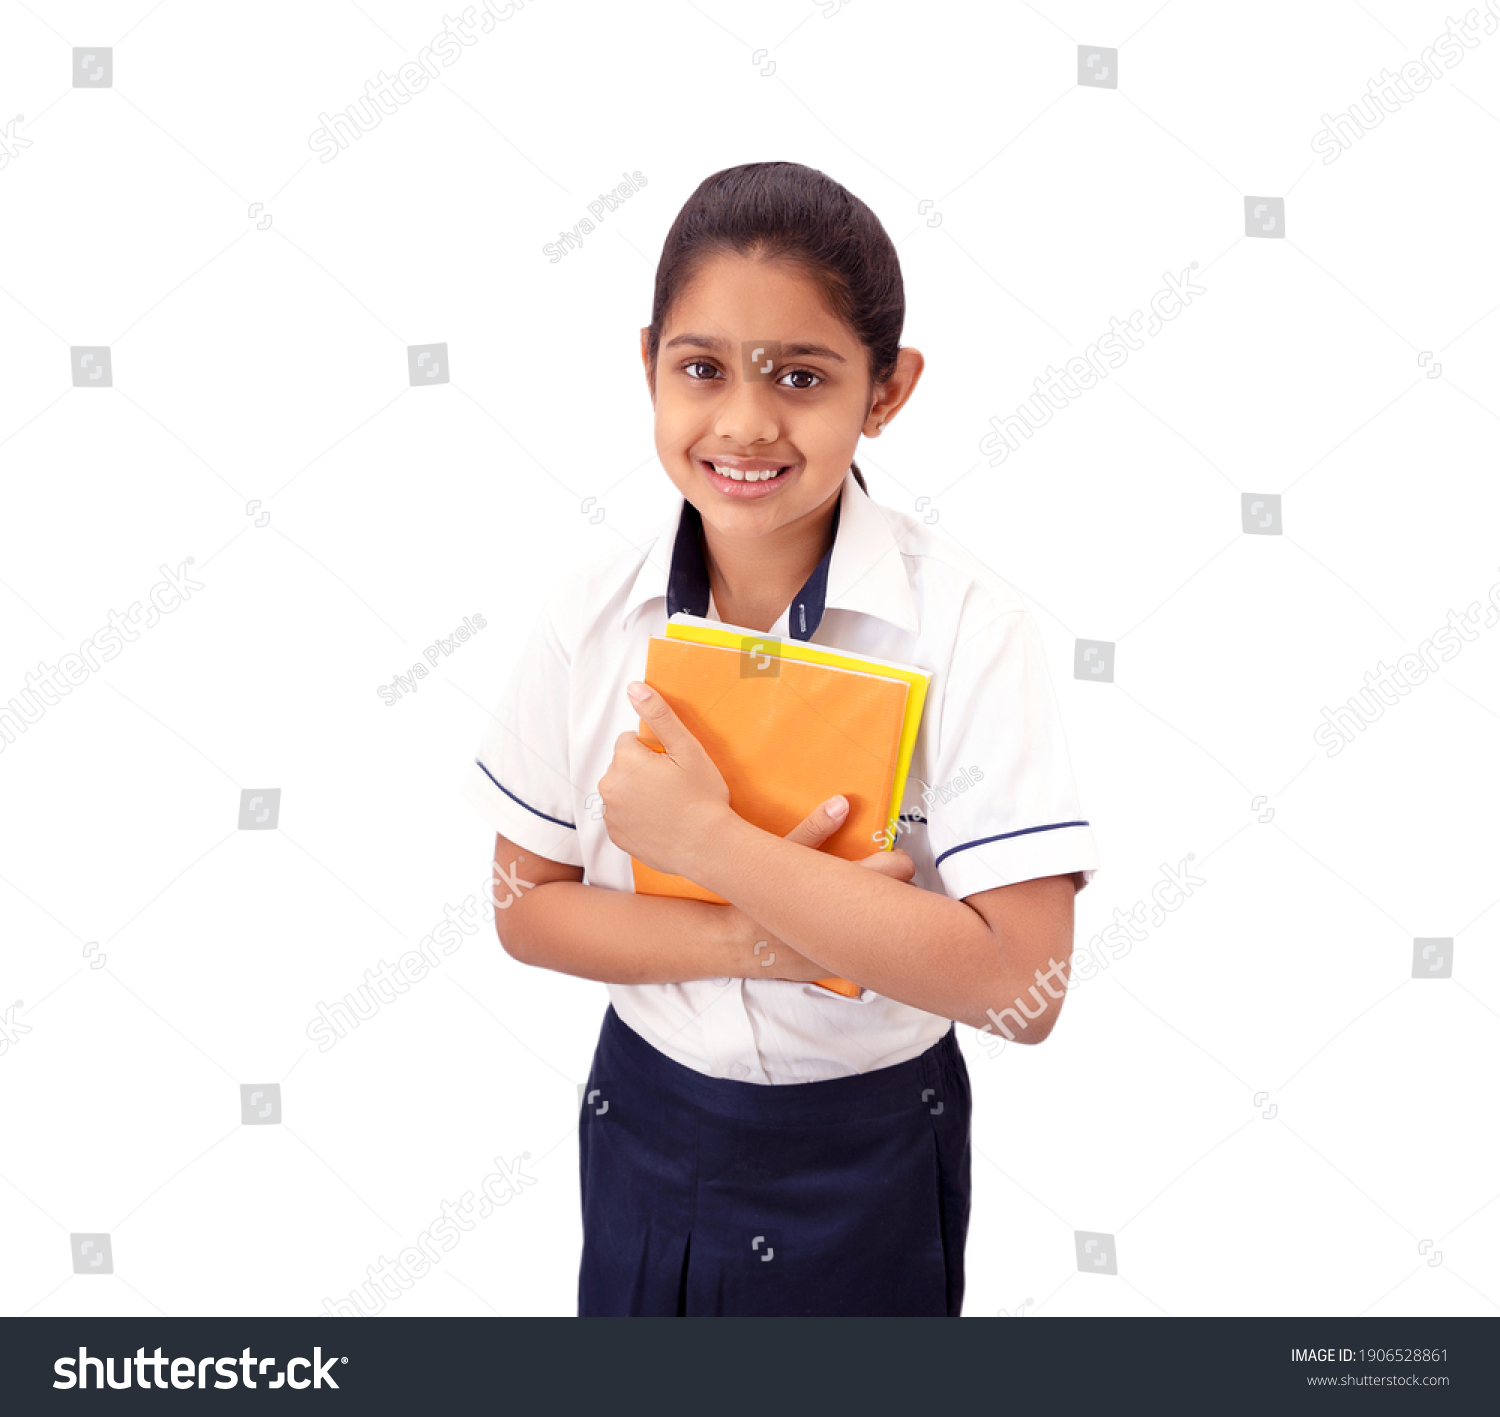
[[702, 1195]]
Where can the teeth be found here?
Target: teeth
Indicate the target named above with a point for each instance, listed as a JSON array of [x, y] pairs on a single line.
[[740, 476]]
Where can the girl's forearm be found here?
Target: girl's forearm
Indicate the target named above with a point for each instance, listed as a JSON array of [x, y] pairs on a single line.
[[911, 945], [622, 938]]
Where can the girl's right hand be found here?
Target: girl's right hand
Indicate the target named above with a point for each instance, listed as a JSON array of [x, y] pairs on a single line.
[[773, 957]]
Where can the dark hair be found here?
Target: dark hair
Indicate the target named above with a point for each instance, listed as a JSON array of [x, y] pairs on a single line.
[[783, 211]]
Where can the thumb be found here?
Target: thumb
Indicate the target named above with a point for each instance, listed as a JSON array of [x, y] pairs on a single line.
[[821, 823]]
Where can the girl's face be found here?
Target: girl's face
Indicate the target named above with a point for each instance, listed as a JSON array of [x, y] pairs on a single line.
[[761, 394]]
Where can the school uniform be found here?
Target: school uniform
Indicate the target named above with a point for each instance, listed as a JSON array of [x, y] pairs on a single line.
[[729, 1118]]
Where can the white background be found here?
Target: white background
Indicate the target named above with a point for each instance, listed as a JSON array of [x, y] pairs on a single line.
[[269, 364]]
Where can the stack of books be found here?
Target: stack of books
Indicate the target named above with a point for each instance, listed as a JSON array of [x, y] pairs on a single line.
[[789, 724]]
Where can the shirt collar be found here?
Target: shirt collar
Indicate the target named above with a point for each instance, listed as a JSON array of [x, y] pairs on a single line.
[[863, 570]]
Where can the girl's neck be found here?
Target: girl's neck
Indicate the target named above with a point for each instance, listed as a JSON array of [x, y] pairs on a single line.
[[753, 580]]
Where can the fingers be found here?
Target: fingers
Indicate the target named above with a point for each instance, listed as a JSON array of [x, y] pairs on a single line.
[[627, 745], [821, 823], [895, 864], [662, 720]]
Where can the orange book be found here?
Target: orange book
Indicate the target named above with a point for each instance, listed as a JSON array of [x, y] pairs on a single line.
[[787, 735]]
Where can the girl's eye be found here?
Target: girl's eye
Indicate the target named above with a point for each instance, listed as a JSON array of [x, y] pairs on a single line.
[[808, 374], [693, 364]]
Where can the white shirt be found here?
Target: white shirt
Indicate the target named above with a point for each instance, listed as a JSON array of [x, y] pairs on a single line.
[[1002, 807]]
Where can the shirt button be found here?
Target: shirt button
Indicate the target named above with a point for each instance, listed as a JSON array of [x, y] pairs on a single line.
[[720, 982], [739, 1070]]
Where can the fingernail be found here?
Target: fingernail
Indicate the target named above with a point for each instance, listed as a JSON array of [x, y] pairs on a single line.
[[637, 691], [836, 807]]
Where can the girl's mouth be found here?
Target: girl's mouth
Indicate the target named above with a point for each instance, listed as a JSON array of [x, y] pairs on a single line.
[[746, 481]]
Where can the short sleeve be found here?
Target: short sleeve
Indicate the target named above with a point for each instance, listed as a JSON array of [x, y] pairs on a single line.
[[519, 780], [1003, 806]]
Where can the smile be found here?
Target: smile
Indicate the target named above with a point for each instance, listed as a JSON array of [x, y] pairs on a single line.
[[745, 477]]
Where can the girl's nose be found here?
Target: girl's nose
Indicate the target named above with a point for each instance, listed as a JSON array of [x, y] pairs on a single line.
[[748, 414]]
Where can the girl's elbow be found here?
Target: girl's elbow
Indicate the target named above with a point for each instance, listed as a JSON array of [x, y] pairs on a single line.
[[512, 936], [1027, 1019], [1042, 1027], [1029, 1031]]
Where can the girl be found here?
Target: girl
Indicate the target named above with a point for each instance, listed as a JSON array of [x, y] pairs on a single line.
[[751, 1143]]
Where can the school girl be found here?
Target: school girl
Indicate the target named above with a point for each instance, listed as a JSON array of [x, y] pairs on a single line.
[[750, 1142]]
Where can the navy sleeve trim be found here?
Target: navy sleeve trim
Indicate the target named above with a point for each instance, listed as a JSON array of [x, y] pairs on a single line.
[[985, 840], [556, 820]]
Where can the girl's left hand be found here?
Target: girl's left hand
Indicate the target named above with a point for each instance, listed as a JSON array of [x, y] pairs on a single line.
[[660, 806]]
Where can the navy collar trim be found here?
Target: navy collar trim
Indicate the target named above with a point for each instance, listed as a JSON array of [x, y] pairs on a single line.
[[688, 589]]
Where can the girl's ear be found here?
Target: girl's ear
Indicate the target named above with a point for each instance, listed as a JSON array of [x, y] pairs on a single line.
[[646, 360], [891, 396]]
